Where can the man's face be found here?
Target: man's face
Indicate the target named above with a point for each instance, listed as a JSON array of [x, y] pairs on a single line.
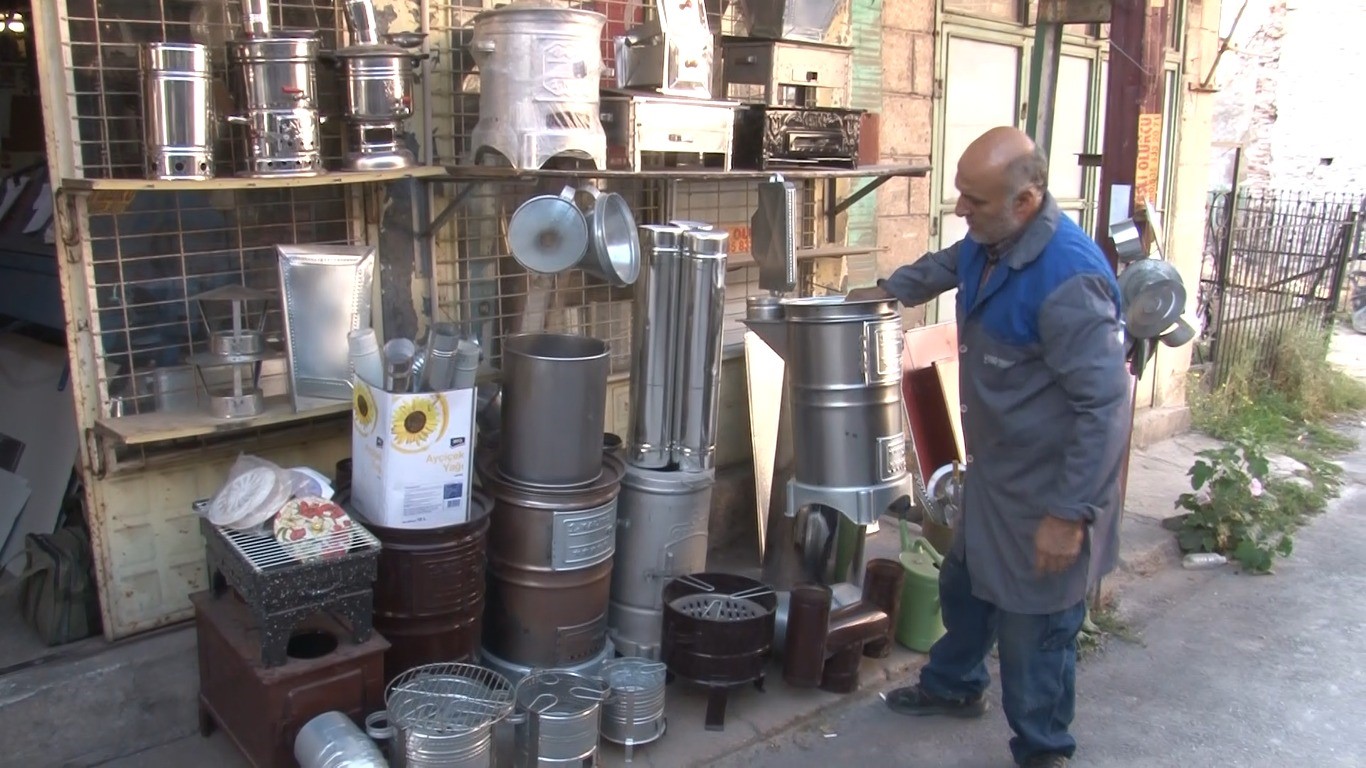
[[992, 210]]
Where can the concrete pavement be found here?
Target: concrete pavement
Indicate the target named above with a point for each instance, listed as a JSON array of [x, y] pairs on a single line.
[[1228, 670]]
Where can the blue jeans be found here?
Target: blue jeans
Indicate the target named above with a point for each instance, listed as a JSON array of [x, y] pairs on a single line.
[[1038, 662]]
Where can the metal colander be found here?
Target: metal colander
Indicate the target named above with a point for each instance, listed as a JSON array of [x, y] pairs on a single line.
[[448, 698]]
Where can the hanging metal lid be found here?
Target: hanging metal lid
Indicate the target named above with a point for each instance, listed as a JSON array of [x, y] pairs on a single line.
[[1154, 297]]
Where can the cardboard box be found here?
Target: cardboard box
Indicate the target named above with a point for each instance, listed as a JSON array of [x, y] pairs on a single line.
[[412, 456]]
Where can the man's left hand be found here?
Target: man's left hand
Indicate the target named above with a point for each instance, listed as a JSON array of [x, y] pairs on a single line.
[[1057, 544]]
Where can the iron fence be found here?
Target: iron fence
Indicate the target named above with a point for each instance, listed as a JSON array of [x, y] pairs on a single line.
[[1273, 261]]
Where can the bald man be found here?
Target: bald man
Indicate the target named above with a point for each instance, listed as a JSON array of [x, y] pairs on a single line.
[[1045, 410]]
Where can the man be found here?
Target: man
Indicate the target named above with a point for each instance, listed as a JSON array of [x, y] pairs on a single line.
[[1045, 401]]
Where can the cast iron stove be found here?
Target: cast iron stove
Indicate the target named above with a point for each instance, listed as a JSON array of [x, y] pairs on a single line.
[[282, 590], [718, 633], [768, 136]]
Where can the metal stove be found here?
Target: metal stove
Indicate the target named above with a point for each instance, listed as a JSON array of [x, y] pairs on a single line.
[[645, 129], [281, 589], [378, 74], [768, 137], [718, 633], [671, 54], [843, 389], [178, 115]]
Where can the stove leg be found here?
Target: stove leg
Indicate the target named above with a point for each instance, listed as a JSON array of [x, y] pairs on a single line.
[[716, 709], [359, 615], [759, 684]]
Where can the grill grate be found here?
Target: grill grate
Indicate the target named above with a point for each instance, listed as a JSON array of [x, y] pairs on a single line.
[[722, 608], [263, 553], [448, 698]]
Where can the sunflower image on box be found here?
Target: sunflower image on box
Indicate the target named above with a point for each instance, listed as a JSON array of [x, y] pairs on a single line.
[[412, 455]]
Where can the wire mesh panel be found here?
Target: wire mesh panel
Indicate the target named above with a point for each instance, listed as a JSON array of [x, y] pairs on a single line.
[[152, 252], [105, 98]]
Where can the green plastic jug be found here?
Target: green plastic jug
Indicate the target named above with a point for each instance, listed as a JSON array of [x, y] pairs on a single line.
[[921, 622]]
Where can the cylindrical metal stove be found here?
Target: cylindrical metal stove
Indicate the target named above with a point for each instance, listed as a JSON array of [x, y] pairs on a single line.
[[515, 672], [554, 409], [844, 381], [662, 519], [379, 99], [634, 712], [443, 715], [550, 565], [539, 70], [429, 597], [178, 118], [276, 84], [701, 316], [557, 720], [654, 348]]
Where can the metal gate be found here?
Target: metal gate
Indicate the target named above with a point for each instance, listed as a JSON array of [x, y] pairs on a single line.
[[1272, 259]]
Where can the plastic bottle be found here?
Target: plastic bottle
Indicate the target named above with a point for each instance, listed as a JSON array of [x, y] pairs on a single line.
[[1197, 561]]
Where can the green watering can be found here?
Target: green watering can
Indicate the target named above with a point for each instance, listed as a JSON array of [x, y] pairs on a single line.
[[921, 623]]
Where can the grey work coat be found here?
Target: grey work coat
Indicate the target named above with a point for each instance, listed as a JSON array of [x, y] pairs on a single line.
[[1045, 400]]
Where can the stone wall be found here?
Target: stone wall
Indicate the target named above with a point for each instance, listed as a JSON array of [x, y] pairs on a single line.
[[1282, 96]]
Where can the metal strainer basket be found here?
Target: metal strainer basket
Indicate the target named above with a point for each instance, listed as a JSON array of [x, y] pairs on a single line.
[[713, 606], [448, 698]]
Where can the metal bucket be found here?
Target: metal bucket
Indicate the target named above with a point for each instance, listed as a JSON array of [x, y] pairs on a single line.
[[275, 80], [178, 122], [539, 68], [844, 367], [331, 740], [554, 409], [662, 520], [634, 712], [557, 719]]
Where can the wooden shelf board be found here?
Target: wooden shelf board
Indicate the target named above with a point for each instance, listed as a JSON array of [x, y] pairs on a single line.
[[334, 178], [145, 428]]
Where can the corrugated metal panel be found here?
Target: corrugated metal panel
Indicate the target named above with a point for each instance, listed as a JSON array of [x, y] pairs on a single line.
[[866, 94]]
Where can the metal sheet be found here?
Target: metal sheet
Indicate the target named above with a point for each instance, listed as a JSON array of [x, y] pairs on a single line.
[[327, 294]]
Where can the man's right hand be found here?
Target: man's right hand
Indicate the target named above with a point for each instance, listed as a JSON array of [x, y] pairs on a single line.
[[871, 293]]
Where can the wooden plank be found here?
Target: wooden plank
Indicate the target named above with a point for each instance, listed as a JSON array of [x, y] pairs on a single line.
[[947, 371], [337, 178], [146, 428]]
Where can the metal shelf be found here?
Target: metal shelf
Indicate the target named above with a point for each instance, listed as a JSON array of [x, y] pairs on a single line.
[[334, 178], [147, 428], [459, 173], [879, 175], [820, 252]]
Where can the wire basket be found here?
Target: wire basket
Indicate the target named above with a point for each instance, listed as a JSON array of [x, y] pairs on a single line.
[[448, 698], [718, 607]]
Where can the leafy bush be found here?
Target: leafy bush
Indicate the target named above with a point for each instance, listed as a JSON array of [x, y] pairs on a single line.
[[1235, 510]]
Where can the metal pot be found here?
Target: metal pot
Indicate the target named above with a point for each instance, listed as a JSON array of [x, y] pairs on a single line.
[[178, 123], [557, 719], [539, 68], [614, 247], [1153, 297], [379, 82], [548, 233]]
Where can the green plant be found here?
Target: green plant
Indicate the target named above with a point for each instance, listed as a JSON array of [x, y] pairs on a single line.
[[1233, 509]]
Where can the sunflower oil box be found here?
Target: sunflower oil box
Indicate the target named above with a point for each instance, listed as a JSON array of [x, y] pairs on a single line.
[[412, 456]]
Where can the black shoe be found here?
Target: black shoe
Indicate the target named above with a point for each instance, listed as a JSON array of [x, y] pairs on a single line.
[[916, 702], [1048, 760]]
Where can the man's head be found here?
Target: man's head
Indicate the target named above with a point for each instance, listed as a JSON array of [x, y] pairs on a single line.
[[1001, 181]]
